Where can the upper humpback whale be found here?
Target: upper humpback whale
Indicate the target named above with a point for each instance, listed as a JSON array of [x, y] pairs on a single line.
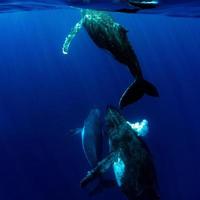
[[111, 36], [130, 158], [127, 6]]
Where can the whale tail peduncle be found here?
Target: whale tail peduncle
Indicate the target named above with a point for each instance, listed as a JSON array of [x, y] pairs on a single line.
[[136, 91]]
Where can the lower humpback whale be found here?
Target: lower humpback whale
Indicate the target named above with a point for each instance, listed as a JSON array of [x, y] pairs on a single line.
[[130, 158], [109, 35], [92, 137], [92, 143]]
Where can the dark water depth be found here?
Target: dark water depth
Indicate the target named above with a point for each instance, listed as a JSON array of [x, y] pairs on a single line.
[[44, 94]]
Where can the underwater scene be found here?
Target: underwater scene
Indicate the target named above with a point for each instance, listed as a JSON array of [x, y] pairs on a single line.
[[99, 99]]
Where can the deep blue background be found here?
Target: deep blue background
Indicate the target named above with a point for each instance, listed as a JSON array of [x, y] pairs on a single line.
[[44, 94]]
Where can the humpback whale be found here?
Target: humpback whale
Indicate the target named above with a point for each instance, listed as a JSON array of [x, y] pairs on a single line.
[[131, 159], [127, 6], [111, 36], [92, 137], [92, 143]]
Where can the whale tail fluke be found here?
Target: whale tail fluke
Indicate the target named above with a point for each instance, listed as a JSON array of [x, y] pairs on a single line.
[[150, 89], [136, 91]]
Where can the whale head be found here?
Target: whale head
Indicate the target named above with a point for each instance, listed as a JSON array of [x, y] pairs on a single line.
[[113, 119]]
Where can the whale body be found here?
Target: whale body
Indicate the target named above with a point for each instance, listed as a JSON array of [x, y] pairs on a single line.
[[92, 137], [130, 158], [129, 6], [107, 34]]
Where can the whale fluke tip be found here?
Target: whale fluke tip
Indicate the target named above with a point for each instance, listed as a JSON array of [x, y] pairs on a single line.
[[136, 91]]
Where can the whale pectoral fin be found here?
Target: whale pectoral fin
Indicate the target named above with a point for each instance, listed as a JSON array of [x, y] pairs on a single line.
[[71, 36], [100, 169], [144, 4], [74, 131]]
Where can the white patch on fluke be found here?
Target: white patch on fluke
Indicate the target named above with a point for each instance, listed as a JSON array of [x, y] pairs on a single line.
[[119, 169], [141, 128]]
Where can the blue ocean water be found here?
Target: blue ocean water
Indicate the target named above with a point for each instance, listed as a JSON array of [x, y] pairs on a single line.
[[44, 94]]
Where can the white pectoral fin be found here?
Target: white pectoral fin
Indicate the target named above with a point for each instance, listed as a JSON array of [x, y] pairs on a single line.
[[75, 131], [71, 36], [141, 128], [106, 163], [101, 168]]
